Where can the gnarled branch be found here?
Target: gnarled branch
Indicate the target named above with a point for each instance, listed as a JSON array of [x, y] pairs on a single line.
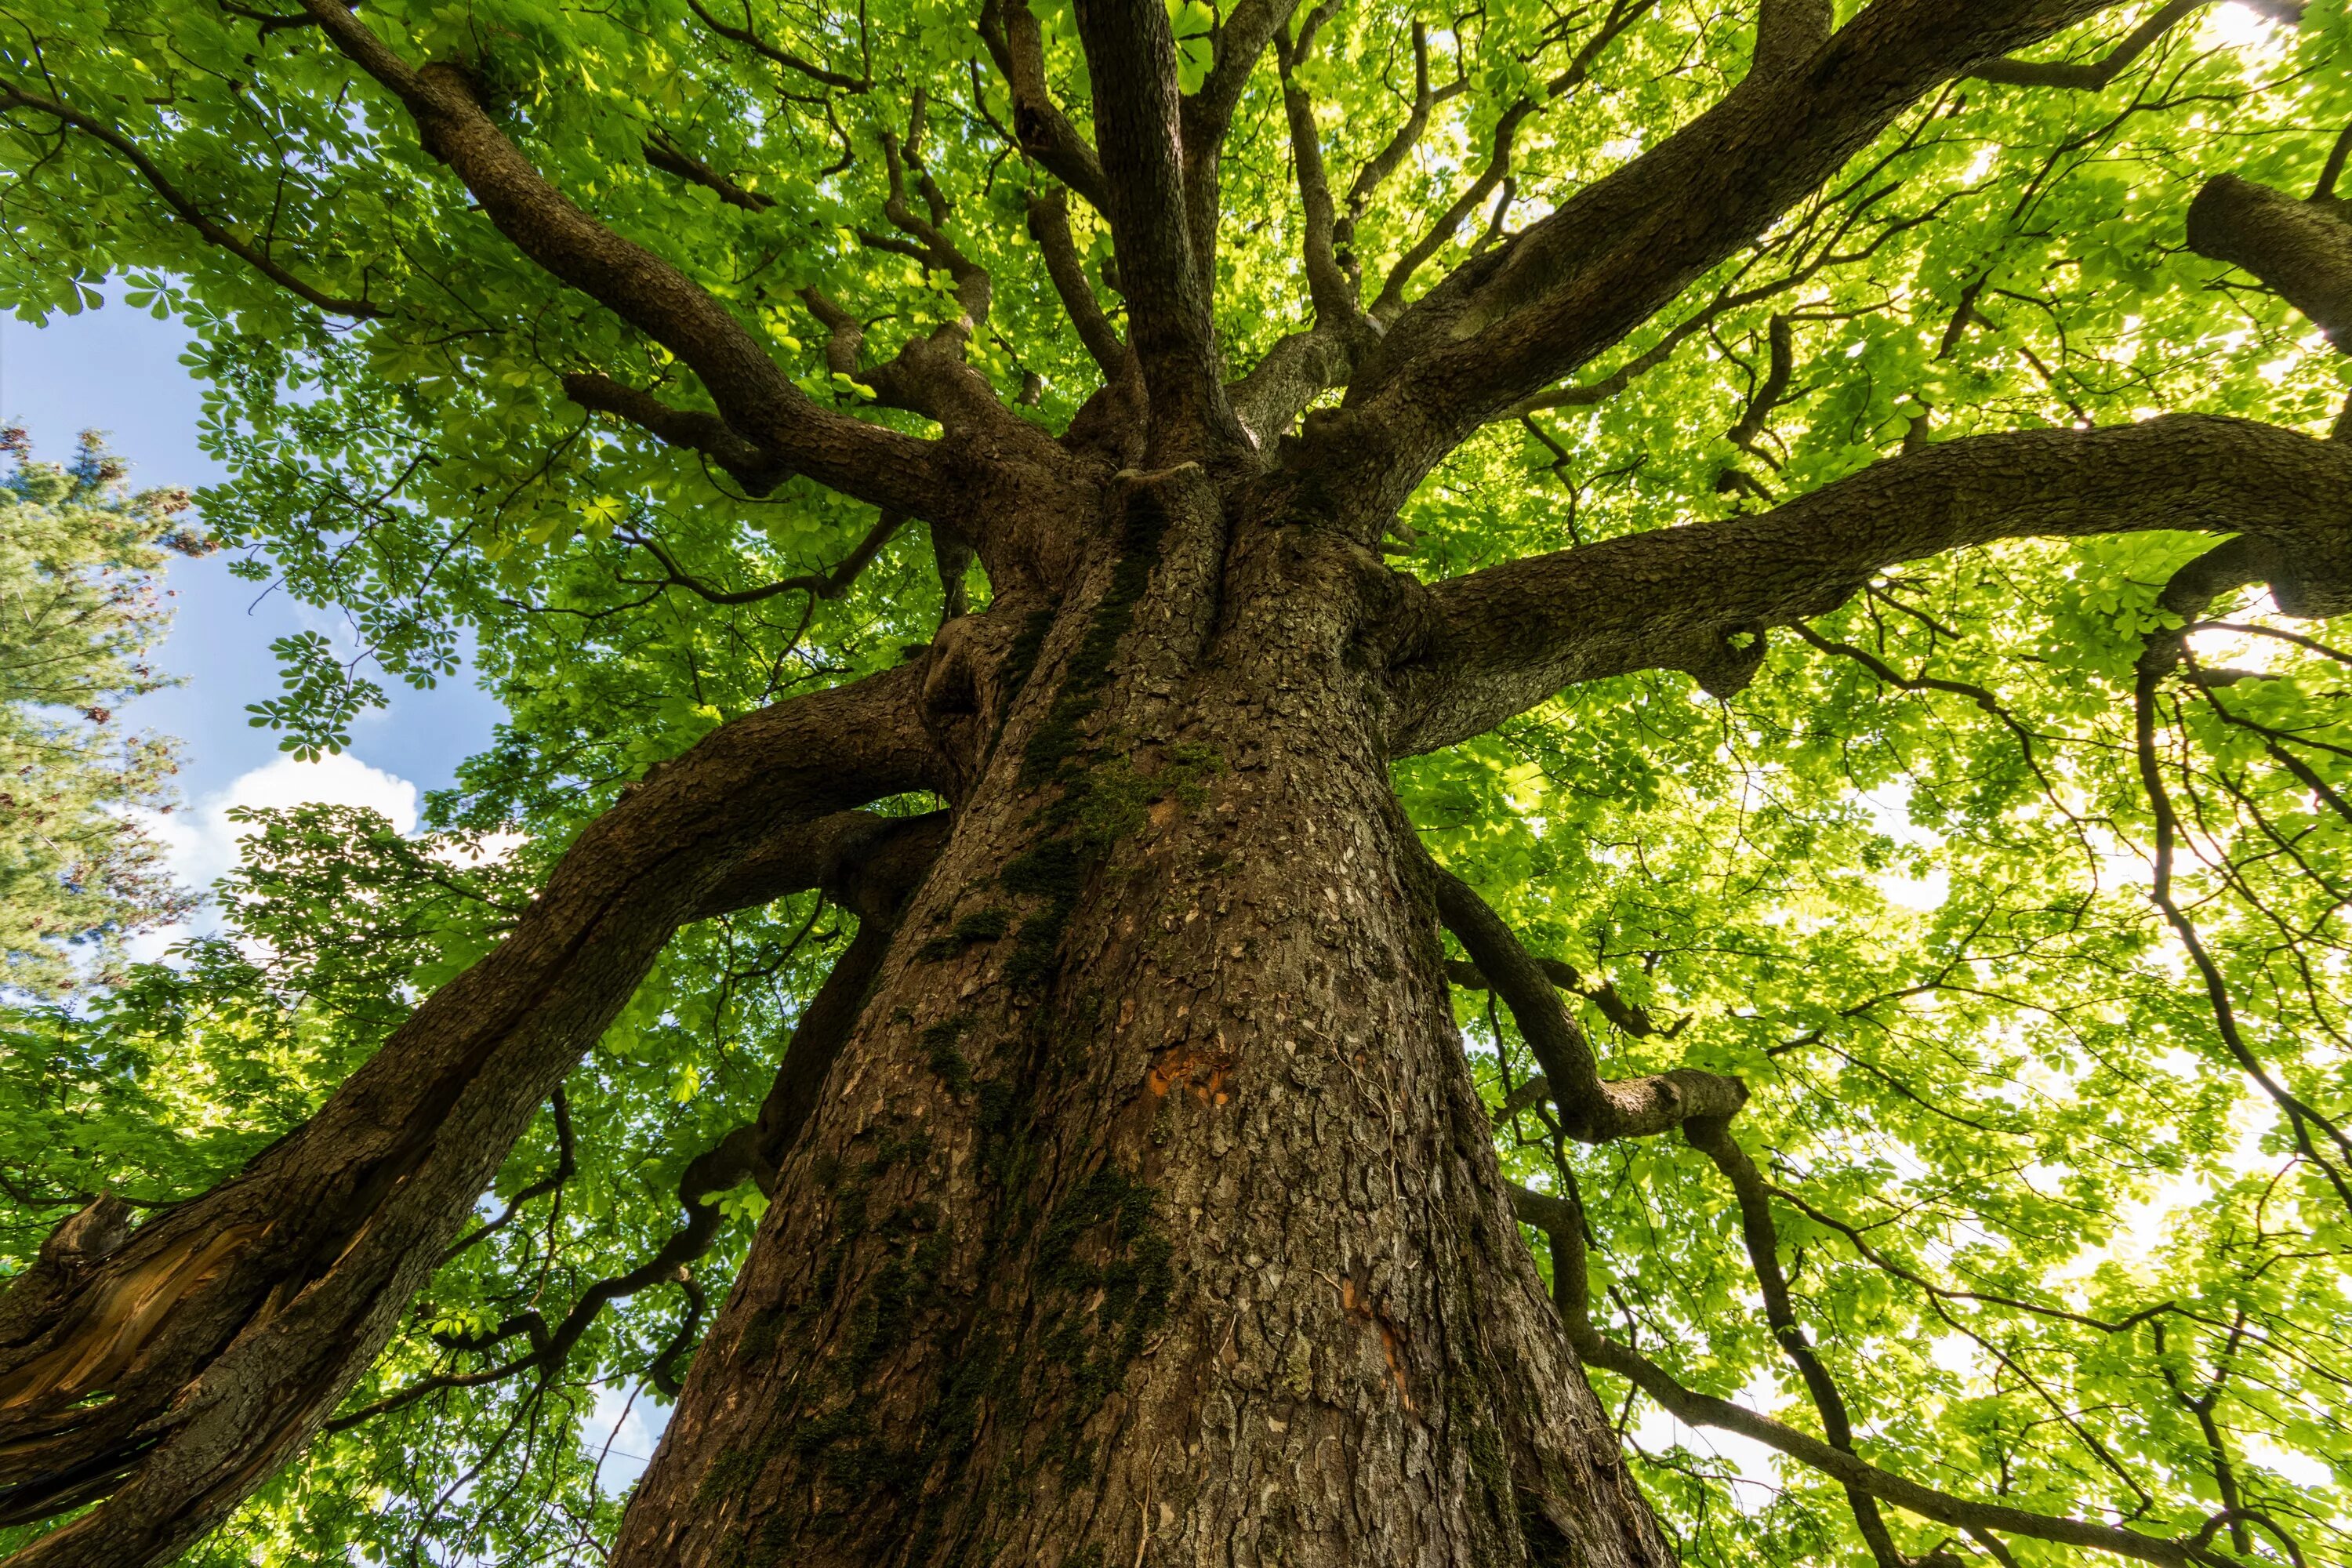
[[754, 395], [215, 1377], [872, 874], [1592, 1110], [1697, 597]]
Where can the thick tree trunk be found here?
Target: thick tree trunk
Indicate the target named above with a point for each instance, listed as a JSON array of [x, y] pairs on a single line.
[[1150, 1216]]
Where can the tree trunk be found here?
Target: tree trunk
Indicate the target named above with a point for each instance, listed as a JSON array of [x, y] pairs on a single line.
[[1150, 1216]]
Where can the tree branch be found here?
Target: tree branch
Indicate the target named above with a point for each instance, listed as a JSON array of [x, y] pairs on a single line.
[[2223, 569], [1499, 641], [1392, 155], [1131, 56], [755, 468], [873, 876], [1632, 1020], [829, 584], [1328, 286], [1712, 1136], [1787, 33], [216, 1375], [566, 1165], [1390, 303], [13, 98], [2095, 75], [753, 395], [1017, 44], [1592, 1110], [2303, 249], [751, 40], [1049, 226], [668, 157], [1561, 1221], [1206, 116], [1523, 316], [815, 584]]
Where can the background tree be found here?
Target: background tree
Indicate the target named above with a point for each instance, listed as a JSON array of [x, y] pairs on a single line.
[[81, 604], [1039, 558]]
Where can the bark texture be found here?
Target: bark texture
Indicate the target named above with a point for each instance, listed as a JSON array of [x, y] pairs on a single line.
[[1150, 1214], [2302, 248]]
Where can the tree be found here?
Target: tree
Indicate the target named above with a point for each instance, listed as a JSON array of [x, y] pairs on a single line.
[[80, 605], [1338, 439]]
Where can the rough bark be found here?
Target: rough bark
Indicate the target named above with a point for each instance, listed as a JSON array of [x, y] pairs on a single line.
[[1149, 1216], [2302, 248]]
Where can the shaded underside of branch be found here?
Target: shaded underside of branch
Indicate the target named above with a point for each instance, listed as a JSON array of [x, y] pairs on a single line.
[[1698, 597]]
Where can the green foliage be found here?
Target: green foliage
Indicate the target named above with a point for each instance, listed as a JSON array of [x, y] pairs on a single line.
[[2035, 1211], [80, 605]]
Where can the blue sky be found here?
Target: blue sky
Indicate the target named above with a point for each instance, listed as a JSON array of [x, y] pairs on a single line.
[[118, 370]]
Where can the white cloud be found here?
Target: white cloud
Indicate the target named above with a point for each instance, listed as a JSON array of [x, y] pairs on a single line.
[[201, 842], [623, 1429]]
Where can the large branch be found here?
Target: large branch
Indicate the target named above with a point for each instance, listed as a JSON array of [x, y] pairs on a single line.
[[1049, 226], [1520, 317], [1131, 56], [871, 870], [1241, 39], [1016, 42], [226, 1330], [754, 395], [2301, 249], [1497, 642]]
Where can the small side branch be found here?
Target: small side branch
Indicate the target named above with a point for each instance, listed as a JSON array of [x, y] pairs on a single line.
[[666, 156], [1592, 1110], [2095, 75], [1625, 1016], [1712, 1136], [2232, 565], [744, 35], [1561, 1220], [757, 471], [830, 585], [567, 1164], [179, 201]]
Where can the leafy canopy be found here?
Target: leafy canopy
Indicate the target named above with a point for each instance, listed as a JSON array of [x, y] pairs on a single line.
[[2051, 1238]]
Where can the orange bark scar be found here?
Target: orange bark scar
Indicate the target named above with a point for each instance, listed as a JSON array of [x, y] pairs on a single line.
[[1205, 1073], [1359, 1304]]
